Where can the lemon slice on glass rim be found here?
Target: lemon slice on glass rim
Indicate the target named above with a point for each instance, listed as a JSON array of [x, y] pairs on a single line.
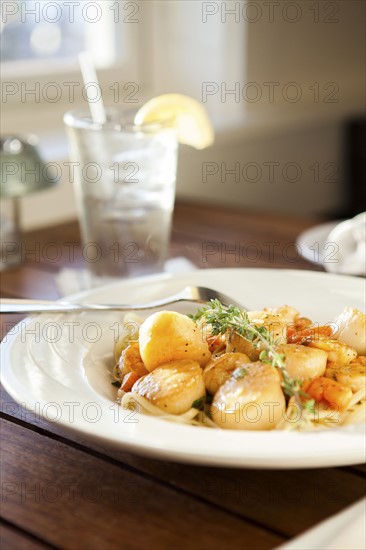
[[185, 114]]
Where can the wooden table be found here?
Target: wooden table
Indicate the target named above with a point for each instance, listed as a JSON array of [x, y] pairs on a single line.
[[60, 490]]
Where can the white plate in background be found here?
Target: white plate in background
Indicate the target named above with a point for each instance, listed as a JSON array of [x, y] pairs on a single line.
[[344, 531], [313, 244]]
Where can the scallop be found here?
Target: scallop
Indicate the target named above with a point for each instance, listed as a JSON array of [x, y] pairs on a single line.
[[274, 319], [338, 352], [170, 336], [303, 362], [128, 331], [352, 375], [253, 402], [351, 329], [173, 387], [220, 369]]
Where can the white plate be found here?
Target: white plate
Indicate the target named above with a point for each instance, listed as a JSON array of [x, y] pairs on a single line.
[[344, 531], [52, 366], [314, 246]]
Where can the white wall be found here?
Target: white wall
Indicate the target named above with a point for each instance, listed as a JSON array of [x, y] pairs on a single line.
[[304, 78], [295, 171]]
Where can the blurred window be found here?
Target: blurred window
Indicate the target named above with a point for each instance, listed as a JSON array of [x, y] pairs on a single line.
[[40, 43], [46, 36], [25, 37]]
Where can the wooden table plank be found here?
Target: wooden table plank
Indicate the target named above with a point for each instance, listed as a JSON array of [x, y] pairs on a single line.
[[210, 236], [29, 282], [232, 225], [246, 493], [13, 539], [217, 237], [67, 494], [221, 237], [52, 248], [213, 254], [8, 324]]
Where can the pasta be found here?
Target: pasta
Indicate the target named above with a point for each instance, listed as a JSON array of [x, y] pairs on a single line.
[[229, 369]]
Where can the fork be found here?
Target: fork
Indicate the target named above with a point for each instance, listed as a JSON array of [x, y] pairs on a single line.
[[197, 294]]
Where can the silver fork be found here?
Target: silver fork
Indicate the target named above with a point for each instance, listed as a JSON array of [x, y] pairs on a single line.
[[197, 294]]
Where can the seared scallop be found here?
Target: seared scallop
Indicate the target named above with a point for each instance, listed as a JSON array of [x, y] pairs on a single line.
[[275, 320], [338, 352], [170, 336], [220, 369], [254, 401], [303, 362], [351, 329], [173, 387], [352, 375]]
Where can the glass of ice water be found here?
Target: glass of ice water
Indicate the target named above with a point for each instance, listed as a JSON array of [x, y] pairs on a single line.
[[124, 178]]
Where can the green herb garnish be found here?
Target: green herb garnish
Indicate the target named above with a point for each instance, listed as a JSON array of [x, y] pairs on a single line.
[[234, 320], [198, 404], [309, 405]]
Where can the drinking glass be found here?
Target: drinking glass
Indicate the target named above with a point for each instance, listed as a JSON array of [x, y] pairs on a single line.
[[124, 178]]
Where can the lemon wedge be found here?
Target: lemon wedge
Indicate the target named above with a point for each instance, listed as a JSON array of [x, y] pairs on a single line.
[[184, 113]]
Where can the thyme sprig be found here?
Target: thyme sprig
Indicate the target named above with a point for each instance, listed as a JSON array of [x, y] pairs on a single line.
[[234, 320]]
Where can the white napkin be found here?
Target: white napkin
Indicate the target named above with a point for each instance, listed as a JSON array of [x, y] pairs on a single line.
[[349, 254], [71, 281], [344, 531]]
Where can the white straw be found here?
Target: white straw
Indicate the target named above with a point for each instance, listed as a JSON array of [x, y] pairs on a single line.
[[89, 74]]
